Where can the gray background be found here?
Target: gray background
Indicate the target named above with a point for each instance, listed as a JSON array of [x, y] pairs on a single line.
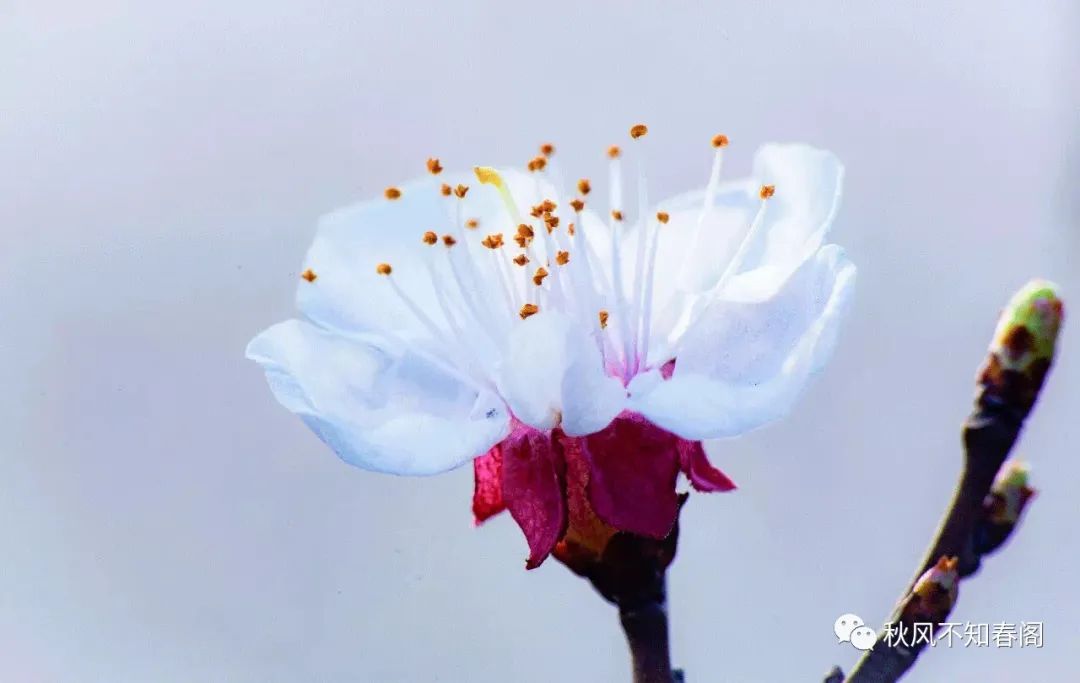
[[161, 169]]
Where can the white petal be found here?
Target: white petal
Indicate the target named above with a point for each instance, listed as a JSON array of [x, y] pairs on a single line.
[[390, 414], [349, 295], [688, 265], [797, 218], [697, 266], [553, 370], [742, 365]]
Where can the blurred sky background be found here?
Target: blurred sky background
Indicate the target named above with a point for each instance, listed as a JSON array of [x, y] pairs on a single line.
[[162, 166]]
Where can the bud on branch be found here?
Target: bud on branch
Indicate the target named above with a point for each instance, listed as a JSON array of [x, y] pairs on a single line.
[[991, 494]]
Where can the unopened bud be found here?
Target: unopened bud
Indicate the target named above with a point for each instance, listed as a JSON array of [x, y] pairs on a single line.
[[934, 593], [1008, 497], [1023, 348]]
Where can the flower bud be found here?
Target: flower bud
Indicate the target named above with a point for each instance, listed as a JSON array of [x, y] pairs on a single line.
[[1022, 349], [934, 593], [1002, 507]]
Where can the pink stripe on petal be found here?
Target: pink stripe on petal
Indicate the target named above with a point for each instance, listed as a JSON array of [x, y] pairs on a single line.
[[668, 369], [633, 467], [533, 487], [696, 466]]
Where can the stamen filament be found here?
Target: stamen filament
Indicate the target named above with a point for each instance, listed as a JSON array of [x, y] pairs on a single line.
[[736, 261], [695, 241], [506, 284], [639, 260], [618, 305], [647, 295], [434, 330]]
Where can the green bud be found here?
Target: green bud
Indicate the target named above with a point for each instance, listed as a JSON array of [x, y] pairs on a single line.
[[1023, 347], [1011, 489], [1009, 495]]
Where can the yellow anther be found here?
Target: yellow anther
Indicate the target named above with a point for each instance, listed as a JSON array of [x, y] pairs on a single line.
[[488, 176], [562, 258], [524, 230], [548, 205], [460, 191], [720, 140], [570, 229], [472, 224], [392, 193], [493, 241], [430, 237], [538, 163], [577, 204], [552, 222], [662, 216], [527, 310], [638, 130], [445, 189], [583, 186], [539, 275], [383, 269], [614, 152], [521, 259], [309, 275], [449, 240], [547, 149], [767, 191], [616, 214], [603, 315], [522, 241], [536, 211], [433, 166]]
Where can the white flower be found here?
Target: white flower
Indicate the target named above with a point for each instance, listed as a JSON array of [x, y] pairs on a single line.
[[438, 323]]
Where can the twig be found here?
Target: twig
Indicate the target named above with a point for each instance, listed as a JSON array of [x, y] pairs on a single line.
[[1008, 385], [646, 629], [988, 441]]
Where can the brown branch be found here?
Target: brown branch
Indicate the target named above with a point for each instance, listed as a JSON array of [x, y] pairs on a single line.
[[646, 629], [987, 501], [988, 440], [834, 675]]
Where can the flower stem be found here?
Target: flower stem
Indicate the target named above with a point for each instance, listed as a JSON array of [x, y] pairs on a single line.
[[646, 629]]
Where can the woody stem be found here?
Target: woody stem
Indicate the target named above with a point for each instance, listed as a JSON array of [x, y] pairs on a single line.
[[646, 628]]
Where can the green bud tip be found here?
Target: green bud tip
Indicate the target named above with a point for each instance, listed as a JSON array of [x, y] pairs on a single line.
[[1010, 492], [1028, 327]]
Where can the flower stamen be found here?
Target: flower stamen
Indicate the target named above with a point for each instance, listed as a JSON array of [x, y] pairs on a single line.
[[736, 262], [638, 304], [619, 302], [527, 310]]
